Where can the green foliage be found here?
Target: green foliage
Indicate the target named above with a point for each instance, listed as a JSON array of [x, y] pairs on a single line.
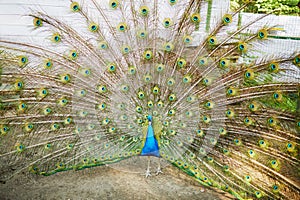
[[281, 7]]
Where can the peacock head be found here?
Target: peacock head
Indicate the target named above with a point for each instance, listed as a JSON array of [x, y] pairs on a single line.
[[149, 117]]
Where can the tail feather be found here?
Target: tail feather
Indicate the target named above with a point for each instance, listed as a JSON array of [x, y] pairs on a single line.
[[221, 111]]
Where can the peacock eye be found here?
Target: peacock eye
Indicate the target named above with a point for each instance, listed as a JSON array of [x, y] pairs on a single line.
[[65, 78], [155, 90], [273, 66], [261, 34], [187, 39], [144, 10], [141, 95], [73, 55], [37, 22], [131, 70], [195, 18], [124, 88], [122, 27], [75, 6], [113, 4], [172, 97], [159, 104], [112, 68], [167, 22]]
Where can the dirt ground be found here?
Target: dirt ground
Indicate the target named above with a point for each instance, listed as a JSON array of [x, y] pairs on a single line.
[[108, 183]]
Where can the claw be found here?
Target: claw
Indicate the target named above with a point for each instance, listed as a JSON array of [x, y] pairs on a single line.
[[158, 171], [148, 173]]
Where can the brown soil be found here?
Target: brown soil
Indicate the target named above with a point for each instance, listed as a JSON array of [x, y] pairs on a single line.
[[108, 183]]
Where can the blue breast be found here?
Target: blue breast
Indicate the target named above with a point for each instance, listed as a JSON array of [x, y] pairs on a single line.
[[151, 145]]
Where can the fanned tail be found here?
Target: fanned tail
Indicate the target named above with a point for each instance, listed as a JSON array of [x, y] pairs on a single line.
[[221, 112]]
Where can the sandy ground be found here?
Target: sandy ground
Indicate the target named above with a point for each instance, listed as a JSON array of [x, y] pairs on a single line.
[[108, 183]]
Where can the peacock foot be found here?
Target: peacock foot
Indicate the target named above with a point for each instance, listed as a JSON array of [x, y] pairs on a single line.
[[158, 171], [148, 173]]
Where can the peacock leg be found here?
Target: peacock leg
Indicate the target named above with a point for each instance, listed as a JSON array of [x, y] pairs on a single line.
[[158, 171], [148, 173]]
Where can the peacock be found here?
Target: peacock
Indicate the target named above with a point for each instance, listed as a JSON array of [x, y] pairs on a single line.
[[114, 80]]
